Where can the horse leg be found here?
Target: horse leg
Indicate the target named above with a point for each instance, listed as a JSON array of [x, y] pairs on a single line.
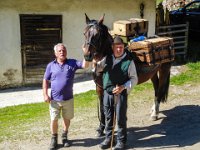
[[101, 115], [164, 80], [161, 87], [155, 108]]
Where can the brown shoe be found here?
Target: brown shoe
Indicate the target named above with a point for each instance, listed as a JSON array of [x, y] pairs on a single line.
[[119, 146], [99, 133], [106, 143], [65, 141], [54, 142]]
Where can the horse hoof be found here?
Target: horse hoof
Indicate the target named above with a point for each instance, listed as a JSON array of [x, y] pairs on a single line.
[[154, 118]]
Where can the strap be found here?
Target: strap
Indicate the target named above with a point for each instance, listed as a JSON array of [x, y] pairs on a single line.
[[88, 57]]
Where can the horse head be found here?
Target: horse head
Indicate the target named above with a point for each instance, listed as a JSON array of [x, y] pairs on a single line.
[[98, 41]]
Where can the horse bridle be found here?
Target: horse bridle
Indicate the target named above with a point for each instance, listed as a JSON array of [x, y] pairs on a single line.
[[91, 43], [97, 49]]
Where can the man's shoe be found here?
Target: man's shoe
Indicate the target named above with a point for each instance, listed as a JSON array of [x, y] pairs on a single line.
[[106, 143], [120, 146], [99, 133], [54, 142], [65, 141]]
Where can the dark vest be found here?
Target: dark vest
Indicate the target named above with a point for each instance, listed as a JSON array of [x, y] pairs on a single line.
[[117, 75]]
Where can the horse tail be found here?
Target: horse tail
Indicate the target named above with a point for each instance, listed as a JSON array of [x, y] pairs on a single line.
[[165, 89]]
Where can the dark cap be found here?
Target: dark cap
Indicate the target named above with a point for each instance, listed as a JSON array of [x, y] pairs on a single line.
[[118, 40]]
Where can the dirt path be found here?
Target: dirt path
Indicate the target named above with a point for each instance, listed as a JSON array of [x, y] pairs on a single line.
[[178, 126]]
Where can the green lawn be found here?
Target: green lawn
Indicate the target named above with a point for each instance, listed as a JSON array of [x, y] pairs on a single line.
[[16, 120], [158, 1], [190, 76]]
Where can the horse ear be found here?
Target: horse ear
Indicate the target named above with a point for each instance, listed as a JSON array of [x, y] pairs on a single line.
[[101, 19], [87, 18]]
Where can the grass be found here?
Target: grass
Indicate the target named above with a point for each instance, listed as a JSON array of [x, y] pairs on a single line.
[[190, 76], [16, 120], [158, 1], [85, 100]]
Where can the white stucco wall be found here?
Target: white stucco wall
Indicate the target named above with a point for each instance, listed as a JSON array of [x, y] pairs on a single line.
[[10, 51], [73, 25]]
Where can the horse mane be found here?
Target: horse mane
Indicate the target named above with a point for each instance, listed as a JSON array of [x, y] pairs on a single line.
[[107, 41]]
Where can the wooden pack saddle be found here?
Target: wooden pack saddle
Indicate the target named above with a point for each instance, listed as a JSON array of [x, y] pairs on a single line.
[[154, 51]]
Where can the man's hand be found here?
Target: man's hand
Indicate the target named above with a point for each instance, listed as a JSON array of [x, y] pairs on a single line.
[[87, 54], [118, 89], [47, 99], [85, 51]]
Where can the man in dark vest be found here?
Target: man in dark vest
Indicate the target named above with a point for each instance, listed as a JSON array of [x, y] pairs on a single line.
[[119, 77]]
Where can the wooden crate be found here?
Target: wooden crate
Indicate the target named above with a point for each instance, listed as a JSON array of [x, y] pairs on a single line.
[[140, 25], [123, 27], [154, 51]]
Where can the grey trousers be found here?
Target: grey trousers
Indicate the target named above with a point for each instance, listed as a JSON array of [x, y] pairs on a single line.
[[121, 118]]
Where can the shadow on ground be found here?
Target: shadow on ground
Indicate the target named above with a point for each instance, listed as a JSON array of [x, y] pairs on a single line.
[[179, 128], [86, 142]]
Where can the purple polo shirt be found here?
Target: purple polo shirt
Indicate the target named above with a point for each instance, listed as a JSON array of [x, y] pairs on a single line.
[[61, 77]]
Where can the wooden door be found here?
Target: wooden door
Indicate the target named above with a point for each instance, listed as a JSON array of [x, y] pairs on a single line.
[[39, 34]]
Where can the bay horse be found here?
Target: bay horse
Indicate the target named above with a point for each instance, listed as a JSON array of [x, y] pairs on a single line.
[[98, 42]]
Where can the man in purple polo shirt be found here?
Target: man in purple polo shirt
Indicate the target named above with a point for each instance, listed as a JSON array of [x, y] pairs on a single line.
[[60, 72]]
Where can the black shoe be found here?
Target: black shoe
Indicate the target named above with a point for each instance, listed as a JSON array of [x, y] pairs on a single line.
[[54, 142], [99, 133], [106, 143], [120, 146], [65, 141]]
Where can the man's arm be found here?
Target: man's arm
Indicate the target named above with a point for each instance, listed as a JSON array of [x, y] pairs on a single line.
[[45, 86], [133, 78], [85, 64]]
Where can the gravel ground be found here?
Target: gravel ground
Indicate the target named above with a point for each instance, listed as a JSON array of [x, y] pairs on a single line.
[[177, 127]]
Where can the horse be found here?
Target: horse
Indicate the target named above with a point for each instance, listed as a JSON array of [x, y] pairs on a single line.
[[98, 43]]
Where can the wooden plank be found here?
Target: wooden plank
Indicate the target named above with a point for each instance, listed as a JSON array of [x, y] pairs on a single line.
[[39, 67], [36, 63], [172, 26], [180, 42], [179, 37], [179, 47], [33, 40], [172, 32], [40, 52], [35, 76], [180, 53]]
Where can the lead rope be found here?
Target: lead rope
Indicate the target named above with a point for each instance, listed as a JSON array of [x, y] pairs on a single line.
[[98, 99], [98, 109]]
